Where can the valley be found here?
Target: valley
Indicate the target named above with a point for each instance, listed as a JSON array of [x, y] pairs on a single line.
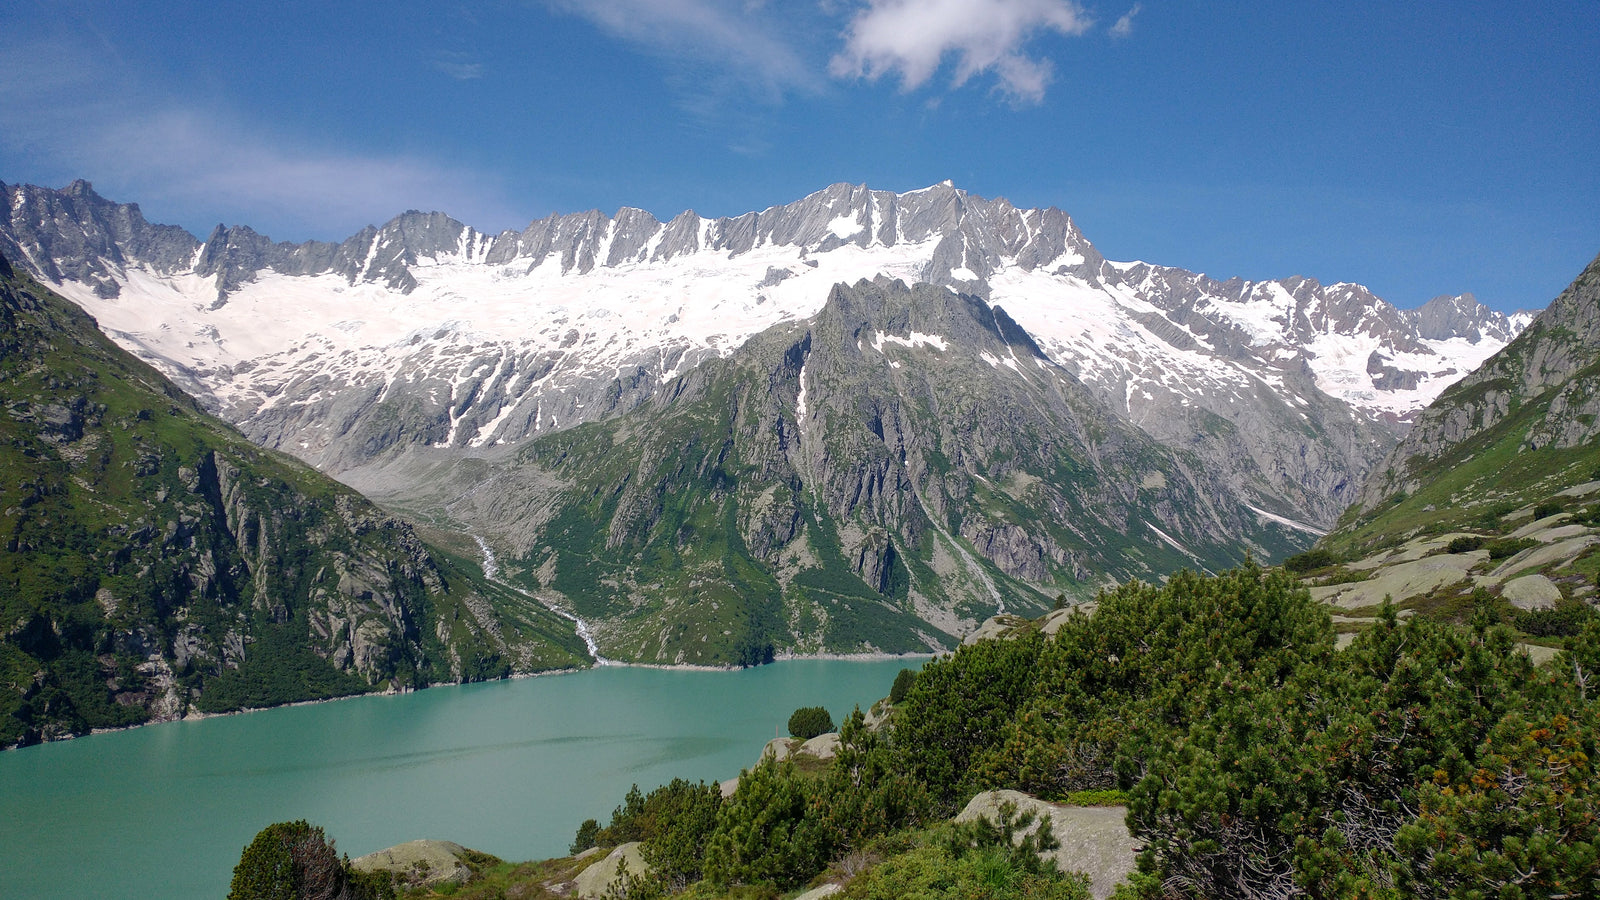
[[906, 468], [863, 421]]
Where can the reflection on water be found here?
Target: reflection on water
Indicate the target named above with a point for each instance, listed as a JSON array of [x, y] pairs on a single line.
[[510, 768]]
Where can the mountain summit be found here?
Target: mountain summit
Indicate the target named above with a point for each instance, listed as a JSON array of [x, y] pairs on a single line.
[[1129, 417]]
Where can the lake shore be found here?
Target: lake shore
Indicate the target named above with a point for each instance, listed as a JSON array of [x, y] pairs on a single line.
[[196, 715]]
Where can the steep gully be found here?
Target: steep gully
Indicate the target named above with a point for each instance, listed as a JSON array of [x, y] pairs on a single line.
[[491, 571]]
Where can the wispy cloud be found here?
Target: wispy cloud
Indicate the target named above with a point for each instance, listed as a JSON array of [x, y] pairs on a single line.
[[742, 35], [191, 157], [1124, 25], [460, 71], [91, 120], [913, 38]]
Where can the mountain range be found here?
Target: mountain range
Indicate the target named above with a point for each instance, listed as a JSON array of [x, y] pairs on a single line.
[[863, 420], [154, 563]]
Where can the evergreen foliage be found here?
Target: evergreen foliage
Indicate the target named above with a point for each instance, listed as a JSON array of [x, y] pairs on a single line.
[[587, 836], [762, 834], [1421, 760], [674, 821], [958, 708], [1425, 760], [992, 860], [1309, 561], [807, 722], [902, 685], [297, 861]]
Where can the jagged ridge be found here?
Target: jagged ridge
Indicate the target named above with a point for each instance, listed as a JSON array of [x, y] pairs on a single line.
[[883, 476], [155, 562]]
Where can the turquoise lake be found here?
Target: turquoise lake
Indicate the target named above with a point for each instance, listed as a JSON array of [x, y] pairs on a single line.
[[509, 767]]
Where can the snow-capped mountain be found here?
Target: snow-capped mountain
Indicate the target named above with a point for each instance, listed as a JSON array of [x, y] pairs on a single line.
[[426, 333]]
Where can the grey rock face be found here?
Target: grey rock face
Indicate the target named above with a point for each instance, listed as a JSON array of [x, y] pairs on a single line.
[[1093, 840], [212, 564], [419, 863], [1251, 404], [942, 485], [1446, 317], [75, 235], [1554, 354]]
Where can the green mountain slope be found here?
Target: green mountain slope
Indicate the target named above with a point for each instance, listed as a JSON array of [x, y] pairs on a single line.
[[882, 476], [1516, 432], [153, 562]]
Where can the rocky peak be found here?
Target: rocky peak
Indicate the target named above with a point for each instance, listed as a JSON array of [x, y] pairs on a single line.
[[1445, 317], [74, 234], [1552, 359]]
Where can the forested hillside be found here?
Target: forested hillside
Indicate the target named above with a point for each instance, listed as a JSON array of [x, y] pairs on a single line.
[[154, 562], [1255, 760]]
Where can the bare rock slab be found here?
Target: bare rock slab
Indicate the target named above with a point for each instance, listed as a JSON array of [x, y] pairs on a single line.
[[594, 882], [419, 862], [1094, 839], [1531, 592], [823, 746]]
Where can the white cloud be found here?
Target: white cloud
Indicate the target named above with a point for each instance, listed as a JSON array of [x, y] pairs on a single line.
[[192, 158], [83, 118], [913, 38], [1124, 25], [745, 36], [460, 71]]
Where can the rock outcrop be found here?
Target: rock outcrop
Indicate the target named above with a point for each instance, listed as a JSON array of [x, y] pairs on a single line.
[[875, 481], [1093, 840], [1549, 369], [153, 562], [1239, 372], [422, 863], [604, 876]]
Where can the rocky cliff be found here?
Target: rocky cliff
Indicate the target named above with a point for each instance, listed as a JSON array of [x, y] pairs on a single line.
[[425, 334], [881, 476], [1551, 362], [153, 562], [1519, 429]]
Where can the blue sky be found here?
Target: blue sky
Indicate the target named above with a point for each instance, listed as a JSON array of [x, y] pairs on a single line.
[[1417, 148]]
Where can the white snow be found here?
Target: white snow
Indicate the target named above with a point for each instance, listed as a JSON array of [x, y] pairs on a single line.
[[917, 339], [1169, 539], [845, 227], [1299, 526], [279, 331]]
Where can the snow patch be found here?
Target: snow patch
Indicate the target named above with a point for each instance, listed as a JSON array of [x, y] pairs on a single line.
[[1298, 526], [917, 339], [845, 227]]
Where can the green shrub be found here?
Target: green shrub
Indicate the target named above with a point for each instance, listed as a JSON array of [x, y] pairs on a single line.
[[295, 860], [958, 708], [1426, 759], [995, 861], [1110, 688], [1508, 547], [1549, 508], [1097, 798], [902, 684], [1566, 619], [1309, 561], [809, 721], [661, 816], [866, 792], [586, 837], [1465, 544], [762, 835]]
